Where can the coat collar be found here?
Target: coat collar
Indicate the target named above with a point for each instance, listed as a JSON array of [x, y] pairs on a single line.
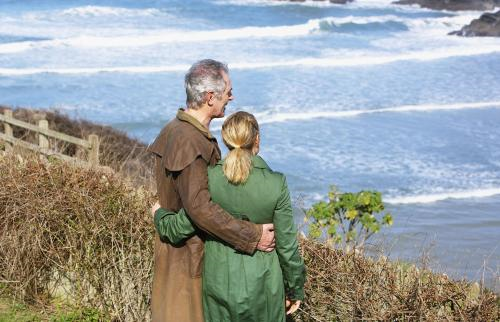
[[183, 116], [257, 162]]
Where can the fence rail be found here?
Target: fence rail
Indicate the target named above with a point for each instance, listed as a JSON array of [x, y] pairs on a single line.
[[91, 145]]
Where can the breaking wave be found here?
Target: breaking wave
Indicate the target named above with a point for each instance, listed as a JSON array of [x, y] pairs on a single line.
[[347, 24], [97, 11], [285, 117], [307, 3], [270, 117], [165, 37], [429, 198], [353, 60]]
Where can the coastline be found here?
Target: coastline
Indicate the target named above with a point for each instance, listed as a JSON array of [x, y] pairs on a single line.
[[367, 95], [486, 25]]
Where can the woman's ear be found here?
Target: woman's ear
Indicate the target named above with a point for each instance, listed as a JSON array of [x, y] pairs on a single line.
[[256, 145]]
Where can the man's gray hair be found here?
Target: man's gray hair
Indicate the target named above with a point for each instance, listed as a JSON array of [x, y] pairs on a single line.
[[204, 76]]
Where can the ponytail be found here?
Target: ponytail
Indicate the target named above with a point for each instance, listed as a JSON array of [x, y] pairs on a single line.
[[237, 165], [239, 133]]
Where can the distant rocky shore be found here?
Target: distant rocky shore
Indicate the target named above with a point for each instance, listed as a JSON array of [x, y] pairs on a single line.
[[331, 1], [453, 5], [488, 25]]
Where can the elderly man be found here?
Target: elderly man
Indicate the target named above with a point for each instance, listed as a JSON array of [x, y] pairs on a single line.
[[184, 149]]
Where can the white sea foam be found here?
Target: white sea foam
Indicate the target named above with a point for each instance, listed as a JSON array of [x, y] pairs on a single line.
[[281, 117], [350, 60], [89, 12], [286, 117], [181, 36], [359, 20], [73, 71], [95, 11], [260, 2], [375, 3], [165, 37], [16, 47], [307, 3], [429, 198], [362, 59], [326, 3]]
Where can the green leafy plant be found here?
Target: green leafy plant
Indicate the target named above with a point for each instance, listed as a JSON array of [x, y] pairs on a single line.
[[348, 219]]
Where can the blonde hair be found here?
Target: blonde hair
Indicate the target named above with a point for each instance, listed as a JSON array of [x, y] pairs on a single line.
[[239, 133]]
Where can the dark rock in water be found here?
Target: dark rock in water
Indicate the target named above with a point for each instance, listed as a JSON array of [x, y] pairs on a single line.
[[453, 5], [488, 25], [331, 1]]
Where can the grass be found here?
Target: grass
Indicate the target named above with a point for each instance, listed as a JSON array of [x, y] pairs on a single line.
[[15, 311], [12, 310]]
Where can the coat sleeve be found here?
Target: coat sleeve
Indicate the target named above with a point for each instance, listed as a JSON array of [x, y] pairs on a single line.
[[192, 186], [287, 246], [175, 227]]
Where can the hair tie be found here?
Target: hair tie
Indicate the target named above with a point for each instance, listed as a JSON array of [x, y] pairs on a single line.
[[236, 146]]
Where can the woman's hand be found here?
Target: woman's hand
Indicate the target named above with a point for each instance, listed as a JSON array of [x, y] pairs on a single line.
[[155, 207], [292, 306]]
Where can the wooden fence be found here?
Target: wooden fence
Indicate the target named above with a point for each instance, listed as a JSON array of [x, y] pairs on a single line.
[[91, 146]]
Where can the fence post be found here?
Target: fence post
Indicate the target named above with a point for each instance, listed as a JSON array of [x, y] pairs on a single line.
[[8, 128], [43, 141], [94, 149]]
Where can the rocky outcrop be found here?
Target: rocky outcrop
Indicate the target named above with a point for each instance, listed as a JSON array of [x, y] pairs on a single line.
[[453, 5], [488, 25]]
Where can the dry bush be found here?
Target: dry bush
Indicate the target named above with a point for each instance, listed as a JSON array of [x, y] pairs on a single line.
[[87, 236], [349, 287], [78, 233]]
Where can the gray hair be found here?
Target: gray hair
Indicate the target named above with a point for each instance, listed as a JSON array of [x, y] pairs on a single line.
[[204, 76]]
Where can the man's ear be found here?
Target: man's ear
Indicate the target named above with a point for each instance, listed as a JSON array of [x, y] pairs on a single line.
[[209, 98]]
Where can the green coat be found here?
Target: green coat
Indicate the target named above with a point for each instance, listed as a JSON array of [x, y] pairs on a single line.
[[238, 286]]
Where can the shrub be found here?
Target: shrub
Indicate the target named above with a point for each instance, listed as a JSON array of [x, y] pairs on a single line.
[[348, 287], [348, 219], [75, 233]]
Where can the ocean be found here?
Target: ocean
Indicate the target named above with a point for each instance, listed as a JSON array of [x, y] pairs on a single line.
[[365, 96]]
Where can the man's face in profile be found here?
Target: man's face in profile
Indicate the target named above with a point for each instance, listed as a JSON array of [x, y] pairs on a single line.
[[219, 103]]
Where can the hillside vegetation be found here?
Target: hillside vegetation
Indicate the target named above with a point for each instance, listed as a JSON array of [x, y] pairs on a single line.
[[84, 238]]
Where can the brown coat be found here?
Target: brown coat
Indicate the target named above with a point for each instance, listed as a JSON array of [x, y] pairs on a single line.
[[183, 150]]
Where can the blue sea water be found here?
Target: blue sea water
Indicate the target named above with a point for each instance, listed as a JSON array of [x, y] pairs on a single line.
[[367, 95]]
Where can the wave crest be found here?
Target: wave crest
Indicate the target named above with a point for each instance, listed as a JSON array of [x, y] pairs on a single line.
[[347, 24], [429, 198], [286, 117], [351, 60], [98, 11]]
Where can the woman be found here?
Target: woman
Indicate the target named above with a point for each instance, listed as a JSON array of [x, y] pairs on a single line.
[[236, 286]]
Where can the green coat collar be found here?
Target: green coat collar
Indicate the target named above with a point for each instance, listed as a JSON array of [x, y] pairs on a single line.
[[183, 116], [257, 162]]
